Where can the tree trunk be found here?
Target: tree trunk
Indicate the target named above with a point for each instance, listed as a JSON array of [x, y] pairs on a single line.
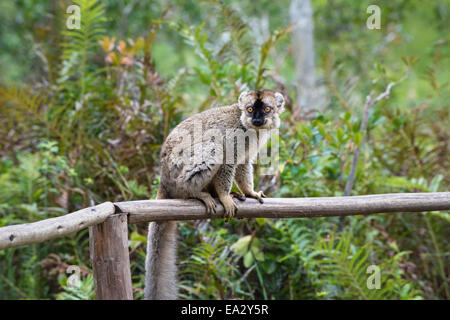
[[301, 14]]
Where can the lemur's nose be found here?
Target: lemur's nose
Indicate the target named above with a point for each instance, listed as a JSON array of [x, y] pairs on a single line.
[[257, 122]]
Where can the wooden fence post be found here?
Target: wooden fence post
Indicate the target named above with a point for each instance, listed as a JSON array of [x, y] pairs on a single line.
[[108, 244]]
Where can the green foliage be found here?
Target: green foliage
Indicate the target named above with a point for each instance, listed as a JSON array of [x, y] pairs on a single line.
[[344, 268], [84, 290], [211, 267], [250, 248], [80, 44], [83, 114], [234, 63]]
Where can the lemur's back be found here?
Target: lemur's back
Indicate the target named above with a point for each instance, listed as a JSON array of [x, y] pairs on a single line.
[[188, 154], [220, 118]]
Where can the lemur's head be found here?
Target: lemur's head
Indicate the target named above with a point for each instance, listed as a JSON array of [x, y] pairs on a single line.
[[261, 109]]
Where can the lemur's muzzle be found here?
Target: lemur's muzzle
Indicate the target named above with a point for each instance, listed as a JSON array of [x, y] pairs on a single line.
[[257, 122]]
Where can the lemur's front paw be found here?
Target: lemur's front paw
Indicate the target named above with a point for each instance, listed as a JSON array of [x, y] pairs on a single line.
[[229, 206], [210, 204], [257, 195]]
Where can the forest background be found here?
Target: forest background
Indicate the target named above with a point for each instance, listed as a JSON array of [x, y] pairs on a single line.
[[83, 113]]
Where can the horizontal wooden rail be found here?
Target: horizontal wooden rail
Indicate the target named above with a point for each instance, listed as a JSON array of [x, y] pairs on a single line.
[[161, 210], [22, 234]]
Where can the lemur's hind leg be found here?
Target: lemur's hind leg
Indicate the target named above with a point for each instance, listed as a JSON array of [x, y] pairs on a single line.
[[222, 184], [194, 183], [207, 199]]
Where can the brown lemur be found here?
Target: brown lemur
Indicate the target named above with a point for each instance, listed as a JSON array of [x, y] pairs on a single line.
[[193, 166]]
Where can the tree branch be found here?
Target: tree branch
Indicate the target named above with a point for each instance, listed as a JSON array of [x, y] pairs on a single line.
[[369, 103]]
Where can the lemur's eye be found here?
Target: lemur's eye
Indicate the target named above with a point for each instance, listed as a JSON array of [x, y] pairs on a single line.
[[249, 109], [267, 109]]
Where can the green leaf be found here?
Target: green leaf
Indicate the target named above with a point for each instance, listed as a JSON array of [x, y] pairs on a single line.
[[259, 256], [241, 246], [340, 134], [358, 138], [321, 128], [248, 259], [262, 221]]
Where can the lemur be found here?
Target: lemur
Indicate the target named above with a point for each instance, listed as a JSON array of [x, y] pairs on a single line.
[[190, 170]]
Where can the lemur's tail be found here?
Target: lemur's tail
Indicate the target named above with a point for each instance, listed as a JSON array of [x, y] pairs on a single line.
[[160, 263]]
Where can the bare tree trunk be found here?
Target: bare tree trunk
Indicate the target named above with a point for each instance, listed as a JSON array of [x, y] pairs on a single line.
[[370, 101], [301, 14]]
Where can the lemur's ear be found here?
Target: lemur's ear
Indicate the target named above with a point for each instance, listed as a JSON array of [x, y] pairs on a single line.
[[280, 101], [241, 99]]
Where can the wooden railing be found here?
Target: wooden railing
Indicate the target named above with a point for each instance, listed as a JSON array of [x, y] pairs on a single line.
[[108, 231]]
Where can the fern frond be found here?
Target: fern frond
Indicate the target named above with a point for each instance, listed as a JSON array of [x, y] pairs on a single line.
[[240, 38], [85, 290], [91, 29], [271, 42], [21, 108], [16, 99], [211, 265], [344, 92], [344, 265], [81, 43]]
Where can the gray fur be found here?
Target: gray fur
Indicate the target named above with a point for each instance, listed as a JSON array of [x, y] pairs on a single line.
[[183, 176], [161, 270], [160, 262]]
